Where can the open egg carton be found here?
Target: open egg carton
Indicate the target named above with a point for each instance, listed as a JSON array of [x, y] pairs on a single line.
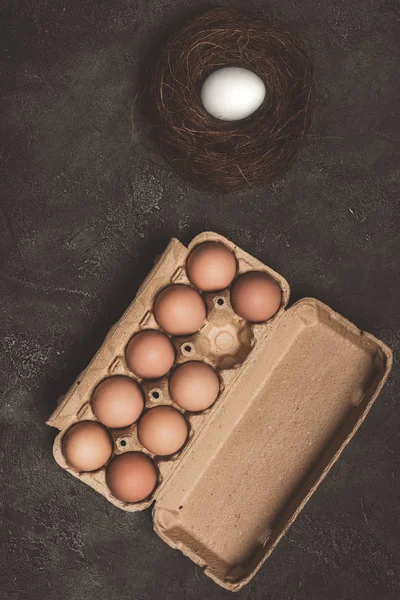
[[293, 391]]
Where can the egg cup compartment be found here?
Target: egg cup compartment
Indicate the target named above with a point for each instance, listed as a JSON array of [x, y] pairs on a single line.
[[293, 391], [226, 339]]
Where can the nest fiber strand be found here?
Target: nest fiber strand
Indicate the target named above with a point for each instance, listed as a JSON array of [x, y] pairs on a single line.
[[221, 155]]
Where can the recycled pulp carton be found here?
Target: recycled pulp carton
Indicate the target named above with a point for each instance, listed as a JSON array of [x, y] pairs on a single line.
[[294, 391]]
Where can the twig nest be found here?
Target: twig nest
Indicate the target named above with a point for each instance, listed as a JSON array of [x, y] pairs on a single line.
[[224, 154]]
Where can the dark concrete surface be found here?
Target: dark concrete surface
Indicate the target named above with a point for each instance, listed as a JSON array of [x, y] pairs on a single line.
[[86, 206]]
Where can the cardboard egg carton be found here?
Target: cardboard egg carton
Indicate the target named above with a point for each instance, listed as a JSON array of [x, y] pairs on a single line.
[[294, 390]]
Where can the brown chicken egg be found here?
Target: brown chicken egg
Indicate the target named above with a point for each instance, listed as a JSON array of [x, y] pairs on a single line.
[[118, 401], [211, 266], [87, 446], [180, 310], [163, 430], [150, 354], [131, 477], [255, 296], [194, 386]]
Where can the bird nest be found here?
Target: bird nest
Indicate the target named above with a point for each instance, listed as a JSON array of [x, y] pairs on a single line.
[[228, 155]]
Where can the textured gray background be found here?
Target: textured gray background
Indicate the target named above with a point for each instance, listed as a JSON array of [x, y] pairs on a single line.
[[85, 208]]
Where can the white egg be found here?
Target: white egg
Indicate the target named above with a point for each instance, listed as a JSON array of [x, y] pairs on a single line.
[[232, 93]]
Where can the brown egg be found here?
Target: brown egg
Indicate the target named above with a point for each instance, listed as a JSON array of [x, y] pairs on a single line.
[[256, 296], [194, 386], [163, 430], [118, 401], [131, 477], [180, 310], [87, 446], [150, 354], [211, 266]]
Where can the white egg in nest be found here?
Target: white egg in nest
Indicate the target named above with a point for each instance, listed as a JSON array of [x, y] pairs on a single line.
[[232, 93]]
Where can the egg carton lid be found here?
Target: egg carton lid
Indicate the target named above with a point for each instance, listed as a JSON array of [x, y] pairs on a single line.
[[295, 405]]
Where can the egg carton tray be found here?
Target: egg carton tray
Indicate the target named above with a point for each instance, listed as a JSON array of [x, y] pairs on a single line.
[[293, 392]]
